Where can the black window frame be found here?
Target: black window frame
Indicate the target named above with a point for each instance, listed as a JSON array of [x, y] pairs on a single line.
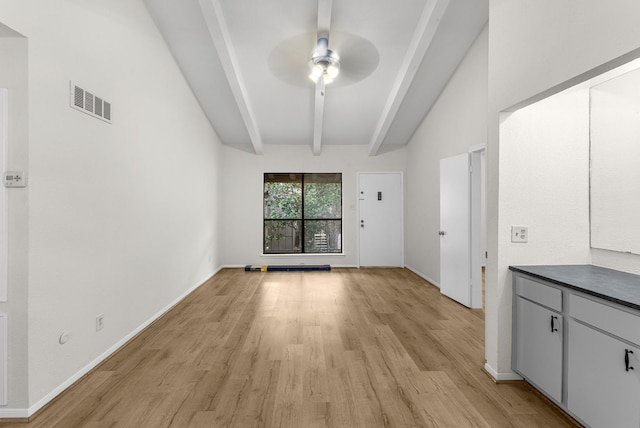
[[303, 222]]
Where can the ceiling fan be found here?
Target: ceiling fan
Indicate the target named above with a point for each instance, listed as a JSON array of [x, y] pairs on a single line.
[[291, 60], [325, 63], [353, 56]]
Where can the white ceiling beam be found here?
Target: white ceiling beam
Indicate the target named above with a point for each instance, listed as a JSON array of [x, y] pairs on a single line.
[[324, 24], [318, 120], [324, 17], [423, 36], [217, 26]]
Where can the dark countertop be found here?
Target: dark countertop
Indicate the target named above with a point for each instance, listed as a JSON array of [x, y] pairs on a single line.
[[608, 284]]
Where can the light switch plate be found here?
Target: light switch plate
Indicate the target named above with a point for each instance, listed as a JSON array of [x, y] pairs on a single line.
[[520, 234], [15, 179]]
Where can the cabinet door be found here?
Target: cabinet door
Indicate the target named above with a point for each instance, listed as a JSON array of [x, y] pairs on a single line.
[[601, 391], [538, 348]]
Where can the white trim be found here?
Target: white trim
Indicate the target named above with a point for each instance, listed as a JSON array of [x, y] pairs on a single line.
[[14, 413], [26, 413], [477, 224], [287, 255], [478, 148], [501, 376], [423, 276]]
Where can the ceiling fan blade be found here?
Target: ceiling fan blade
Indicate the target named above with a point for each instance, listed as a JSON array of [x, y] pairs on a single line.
[[358, 57], [289, 60]]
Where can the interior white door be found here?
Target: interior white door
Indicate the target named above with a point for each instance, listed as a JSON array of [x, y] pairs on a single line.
[[455, 242], [381, 236]]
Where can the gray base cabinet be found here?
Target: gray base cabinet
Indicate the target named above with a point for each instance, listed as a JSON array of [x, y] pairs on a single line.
[[579, 348], [601, 392], [539, 347]]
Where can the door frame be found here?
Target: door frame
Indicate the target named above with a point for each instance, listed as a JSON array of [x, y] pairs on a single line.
[[401, 173], [477, 222]]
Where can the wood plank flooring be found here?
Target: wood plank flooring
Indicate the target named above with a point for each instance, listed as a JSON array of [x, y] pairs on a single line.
[[346, 348]]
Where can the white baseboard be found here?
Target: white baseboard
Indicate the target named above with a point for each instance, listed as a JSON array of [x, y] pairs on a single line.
[[507, 376], [14, 413], [423, 276], [26, 413]]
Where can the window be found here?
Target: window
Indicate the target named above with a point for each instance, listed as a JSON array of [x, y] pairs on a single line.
[[302, 213]]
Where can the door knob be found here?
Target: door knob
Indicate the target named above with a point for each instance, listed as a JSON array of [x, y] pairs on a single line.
[[441, 233]]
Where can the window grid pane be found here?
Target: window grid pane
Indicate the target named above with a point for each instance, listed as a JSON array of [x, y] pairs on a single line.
[[323, 236], [302, 213], [282, 236]]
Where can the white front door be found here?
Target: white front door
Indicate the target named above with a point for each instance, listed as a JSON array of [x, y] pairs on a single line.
[[455, 277], [381, 237]]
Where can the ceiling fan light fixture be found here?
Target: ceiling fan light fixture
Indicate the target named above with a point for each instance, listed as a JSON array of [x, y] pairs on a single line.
[[325, 63], [316, 72]]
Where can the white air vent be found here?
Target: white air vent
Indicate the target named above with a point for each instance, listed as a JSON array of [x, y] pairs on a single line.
[[89, 103]]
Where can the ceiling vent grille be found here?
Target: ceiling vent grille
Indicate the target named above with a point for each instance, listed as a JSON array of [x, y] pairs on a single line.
[[86, 102]]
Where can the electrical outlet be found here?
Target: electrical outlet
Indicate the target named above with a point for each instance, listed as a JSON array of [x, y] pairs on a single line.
[[99, 322], [520, 234]]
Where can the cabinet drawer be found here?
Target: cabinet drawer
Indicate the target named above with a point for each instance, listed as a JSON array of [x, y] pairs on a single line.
[[614, 321], [539, 293]]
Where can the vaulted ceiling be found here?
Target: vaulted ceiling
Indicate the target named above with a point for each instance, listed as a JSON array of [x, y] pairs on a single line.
[[248, 61]]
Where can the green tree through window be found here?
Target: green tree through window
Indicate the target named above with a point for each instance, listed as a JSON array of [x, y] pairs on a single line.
[[302, 213]]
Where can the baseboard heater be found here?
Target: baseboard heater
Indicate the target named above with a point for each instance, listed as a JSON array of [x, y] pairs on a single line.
[[281, 268]]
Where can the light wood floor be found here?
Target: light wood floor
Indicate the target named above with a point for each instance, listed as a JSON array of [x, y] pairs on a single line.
[[346, 348]]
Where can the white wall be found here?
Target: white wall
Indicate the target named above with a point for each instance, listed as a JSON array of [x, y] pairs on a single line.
[[535, 48], [123, 217], [456, 123], [545, 154], [544, 150], [242, 196]]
